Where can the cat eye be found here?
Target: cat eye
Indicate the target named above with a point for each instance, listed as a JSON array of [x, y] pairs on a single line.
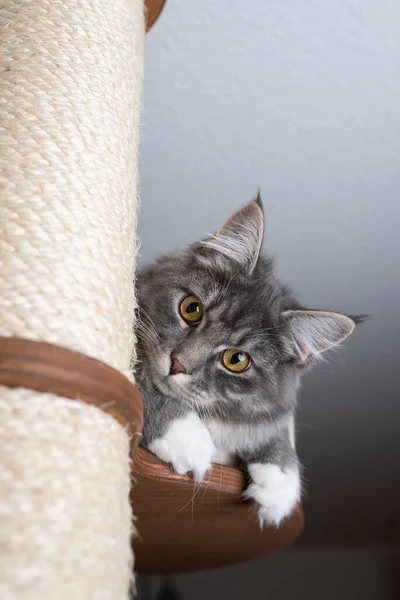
[[191, 310], [235, 360]]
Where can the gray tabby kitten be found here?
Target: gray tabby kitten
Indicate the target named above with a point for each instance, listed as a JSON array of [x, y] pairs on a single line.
[[221, 349]]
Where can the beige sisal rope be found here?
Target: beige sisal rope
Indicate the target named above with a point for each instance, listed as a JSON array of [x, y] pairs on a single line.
[[70, 90]]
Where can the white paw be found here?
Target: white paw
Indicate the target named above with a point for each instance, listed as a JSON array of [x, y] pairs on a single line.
[[276, 492], [187, 445]]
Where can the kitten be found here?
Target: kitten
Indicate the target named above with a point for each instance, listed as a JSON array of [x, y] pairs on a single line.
[[221, 349]]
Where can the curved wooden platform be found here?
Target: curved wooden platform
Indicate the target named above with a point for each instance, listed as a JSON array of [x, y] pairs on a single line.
[[186, 526]]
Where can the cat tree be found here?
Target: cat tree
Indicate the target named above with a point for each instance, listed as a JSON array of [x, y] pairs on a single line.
[[71, 81], [70, 415]]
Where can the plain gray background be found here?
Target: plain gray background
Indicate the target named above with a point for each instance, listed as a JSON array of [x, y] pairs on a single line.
[[302, 99]]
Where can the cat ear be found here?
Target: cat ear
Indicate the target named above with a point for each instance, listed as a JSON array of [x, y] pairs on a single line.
[[311, 332], [239, 239]]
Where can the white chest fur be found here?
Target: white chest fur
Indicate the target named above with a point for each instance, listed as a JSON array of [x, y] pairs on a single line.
[[230, 438]]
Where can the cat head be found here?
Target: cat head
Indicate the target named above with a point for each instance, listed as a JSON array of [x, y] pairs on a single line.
[[218, 331]]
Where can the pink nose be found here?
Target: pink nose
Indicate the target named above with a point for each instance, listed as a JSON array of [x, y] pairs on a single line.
[[176, 367]]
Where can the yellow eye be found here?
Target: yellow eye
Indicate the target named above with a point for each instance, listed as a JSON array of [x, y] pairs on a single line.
[[235, 360], [191, 310]]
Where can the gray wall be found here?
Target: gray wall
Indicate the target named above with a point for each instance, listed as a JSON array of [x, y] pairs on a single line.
[[356, 573], [301, 98]]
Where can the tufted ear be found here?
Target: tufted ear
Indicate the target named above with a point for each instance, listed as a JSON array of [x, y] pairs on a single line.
[[311, 332], [239, 239]]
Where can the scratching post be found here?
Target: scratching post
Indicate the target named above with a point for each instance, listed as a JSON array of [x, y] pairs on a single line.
[[70, 81]]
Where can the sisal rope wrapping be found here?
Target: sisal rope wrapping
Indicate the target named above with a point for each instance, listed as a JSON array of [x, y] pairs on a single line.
[[65, 519], [70, 81]]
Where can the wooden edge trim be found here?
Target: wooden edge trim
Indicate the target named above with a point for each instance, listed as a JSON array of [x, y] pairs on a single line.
[[220, 478], [152, 11], [45, 367]]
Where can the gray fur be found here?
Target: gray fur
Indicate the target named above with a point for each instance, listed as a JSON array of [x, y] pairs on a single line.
[[245, 307]]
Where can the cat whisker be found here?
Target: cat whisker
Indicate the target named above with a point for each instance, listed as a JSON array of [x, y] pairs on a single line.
[[146, 314], [144, 336], [145, 329], [191, 499], [205, 488], [148, 328]]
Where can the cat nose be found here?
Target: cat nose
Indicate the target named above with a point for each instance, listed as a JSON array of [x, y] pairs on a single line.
[[176, 367]]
